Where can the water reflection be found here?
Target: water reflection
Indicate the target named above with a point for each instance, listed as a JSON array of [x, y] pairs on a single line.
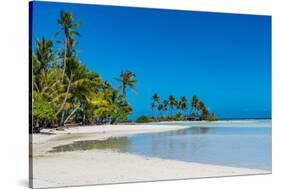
[[118, 144]]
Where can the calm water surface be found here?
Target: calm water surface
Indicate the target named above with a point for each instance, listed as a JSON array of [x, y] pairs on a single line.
[[238, 144]]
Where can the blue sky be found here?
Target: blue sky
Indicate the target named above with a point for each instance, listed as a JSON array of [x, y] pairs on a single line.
[[225, 59]]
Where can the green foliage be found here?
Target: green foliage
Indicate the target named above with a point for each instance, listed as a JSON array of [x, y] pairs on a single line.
[[42, 110], [212, 117], [178, 116], [144, 119], [127, 79], [65, 91]]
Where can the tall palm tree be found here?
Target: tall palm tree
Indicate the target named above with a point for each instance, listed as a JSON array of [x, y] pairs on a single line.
[[183, 103], [175, 103], [127, 79], [67, 26], [73, 65], [155, 101], [172, 103], [194, 103], [165, 105]]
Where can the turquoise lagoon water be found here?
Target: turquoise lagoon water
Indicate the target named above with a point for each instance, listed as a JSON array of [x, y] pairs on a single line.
[[244, 143]]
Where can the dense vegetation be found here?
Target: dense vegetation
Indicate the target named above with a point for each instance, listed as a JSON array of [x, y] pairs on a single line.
[[172, 109], [65, 91]]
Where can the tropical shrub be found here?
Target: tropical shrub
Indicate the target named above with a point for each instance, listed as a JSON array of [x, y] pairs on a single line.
[[144, 119], [43, 114], [212, 117]]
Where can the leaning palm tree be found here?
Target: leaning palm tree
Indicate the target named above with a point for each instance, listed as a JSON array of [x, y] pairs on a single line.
[[127, 79], [69, 71], [84, 84], [201, 106], [67, 26], [203, 110], [194, 104], [70, 78], [197, 106]]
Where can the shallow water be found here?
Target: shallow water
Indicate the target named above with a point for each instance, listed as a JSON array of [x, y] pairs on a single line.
[[238, 144]]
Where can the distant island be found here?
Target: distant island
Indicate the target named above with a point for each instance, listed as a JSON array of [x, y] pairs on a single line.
[[172, 109], [66, 91]]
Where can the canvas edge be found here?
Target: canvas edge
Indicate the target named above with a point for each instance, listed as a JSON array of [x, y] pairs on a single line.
[[30, 33]]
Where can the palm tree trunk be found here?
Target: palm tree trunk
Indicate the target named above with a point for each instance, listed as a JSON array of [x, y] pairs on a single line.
[[61, 123], [64, 58], [65, 98], [71, 114], [84, 119], [124, 90]]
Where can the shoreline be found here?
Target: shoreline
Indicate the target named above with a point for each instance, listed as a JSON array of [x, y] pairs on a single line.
[[218, 121], [42, 143], [104, 131], [106, 166]]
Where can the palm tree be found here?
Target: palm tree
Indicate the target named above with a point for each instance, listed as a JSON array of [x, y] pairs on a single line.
[[183, 104], [67, 27], [197, 106], [84, 84], [201, 105], [69, 71], [165, 104], [120, 107], [156, 97], [175, 103], [160, 108], [110, 106], [194, 103], [66, 91], [41, 60], [155, 101], [127, 79], [204, 112], [172, 103]]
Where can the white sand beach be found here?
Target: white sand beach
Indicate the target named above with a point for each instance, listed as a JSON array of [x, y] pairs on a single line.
[[106, 166]]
